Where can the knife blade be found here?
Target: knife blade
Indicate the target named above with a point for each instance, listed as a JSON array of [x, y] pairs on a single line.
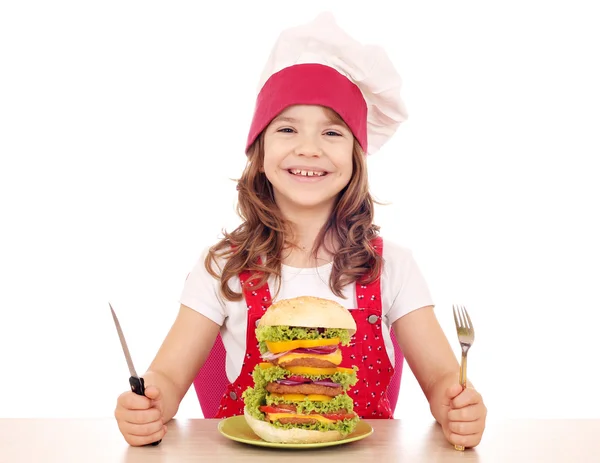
[[136, 382]]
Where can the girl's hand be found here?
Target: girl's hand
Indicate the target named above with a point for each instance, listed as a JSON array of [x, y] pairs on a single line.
[[466, 416], [140, 417]]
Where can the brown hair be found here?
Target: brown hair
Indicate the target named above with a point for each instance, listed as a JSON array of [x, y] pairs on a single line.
[[263, 231]]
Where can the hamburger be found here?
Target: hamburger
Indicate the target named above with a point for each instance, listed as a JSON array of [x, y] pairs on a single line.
[[300, 392]]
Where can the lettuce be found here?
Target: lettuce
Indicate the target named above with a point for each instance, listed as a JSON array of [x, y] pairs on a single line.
[[290, 333], [307, 406], [264, 376], [254, 398]]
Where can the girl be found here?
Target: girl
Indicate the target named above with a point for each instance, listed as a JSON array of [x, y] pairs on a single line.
[[307, 229]]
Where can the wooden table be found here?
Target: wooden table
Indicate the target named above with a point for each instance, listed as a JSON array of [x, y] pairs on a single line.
[[99, 440]]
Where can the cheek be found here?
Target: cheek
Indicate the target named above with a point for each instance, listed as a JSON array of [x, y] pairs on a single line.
[[344, 165], [270, 168], [273, 156], [343, 175], [268, 161], [346, 175]]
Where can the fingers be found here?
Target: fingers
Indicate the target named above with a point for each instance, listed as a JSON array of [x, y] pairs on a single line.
[[132, 401], [141, 430], [466, 424], [466, 428], [468, 413], [465, 433], [139, 420], [145, 436], [152, 392], [467, 441], [138, 416], [453, 391], [464, 398]]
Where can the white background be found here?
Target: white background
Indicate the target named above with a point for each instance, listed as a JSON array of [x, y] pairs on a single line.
[[121, 124]]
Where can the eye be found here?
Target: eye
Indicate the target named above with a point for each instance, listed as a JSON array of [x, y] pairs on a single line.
[[332, 133], [286, 130]]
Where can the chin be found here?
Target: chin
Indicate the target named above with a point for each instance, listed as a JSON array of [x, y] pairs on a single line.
[[305, 200]]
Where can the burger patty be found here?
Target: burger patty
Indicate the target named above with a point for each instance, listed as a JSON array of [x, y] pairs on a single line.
[[307, 362], [304, 389]]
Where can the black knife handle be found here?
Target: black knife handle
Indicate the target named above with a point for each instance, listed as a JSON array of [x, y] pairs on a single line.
[[137, 386]]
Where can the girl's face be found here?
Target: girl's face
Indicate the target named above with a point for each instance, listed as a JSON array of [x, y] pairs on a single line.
[[307, 157]]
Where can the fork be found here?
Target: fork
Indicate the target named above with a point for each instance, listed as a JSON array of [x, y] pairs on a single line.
[[466, 337]]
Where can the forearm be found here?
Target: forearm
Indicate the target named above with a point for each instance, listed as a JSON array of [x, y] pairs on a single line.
[[170, 395]]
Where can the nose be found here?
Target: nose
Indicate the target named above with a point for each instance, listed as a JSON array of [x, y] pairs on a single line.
[[308, 146]]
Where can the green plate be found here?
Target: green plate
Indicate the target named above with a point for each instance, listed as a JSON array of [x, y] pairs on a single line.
[[236, 428]]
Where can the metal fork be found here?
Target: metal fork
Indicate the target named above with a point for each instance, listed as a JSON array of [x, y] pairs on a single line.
[[466, 337]]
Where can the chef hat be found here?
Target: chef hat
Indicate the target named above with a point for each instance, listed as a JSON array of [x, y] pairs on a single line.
[[318, 63]]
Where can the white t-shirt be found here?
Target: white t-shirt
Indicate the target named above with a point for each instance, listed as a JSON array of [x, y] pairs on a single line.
[[403, 289]]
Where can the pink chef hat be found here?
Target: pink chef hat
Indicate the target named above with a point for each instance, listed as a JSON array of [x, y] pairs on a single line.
[[318, 63]]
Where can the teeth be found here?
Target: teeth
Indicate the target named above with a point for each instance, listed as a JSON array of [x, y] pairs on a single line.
[[307, 173]]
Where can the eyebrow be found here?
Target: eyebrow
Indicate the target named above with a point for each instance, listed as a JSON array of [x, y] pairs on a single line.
[[292, 120], [285, 119]]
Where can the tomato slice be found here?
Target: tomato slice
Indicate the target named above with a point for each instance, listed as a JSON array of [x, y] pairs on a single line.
[[275, 409]]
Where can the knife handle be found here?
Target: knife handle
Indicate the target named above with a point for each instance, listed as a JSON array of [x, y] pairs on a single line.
[[137, 386]]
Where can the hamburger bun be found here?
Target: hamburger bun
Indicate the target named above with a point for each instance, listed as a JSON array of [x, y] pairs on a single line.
[[309, 312], [270, 433]]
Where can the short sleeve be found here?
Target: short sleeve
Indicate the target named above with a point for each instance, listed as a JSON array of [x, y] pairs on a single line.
[[408, 289], [201, 292]]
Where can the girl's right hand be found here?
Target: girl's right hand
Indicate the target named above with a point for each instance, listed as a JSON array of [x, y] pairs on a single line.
[[140, 417]]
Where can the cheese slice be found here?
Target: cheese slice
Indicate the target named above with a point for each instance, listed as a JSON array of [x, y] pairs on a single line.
[[301, 397], [278, 416], [335, 357], [311, 370], [345, 370], [265, 365]]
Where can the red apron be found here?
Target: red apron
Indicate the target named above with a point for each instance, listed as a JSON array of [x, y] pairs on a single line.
[[366, 350]]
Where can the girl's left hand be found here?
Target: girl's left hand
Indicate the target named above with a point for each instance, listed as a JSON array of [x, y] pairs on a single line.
[[466, 416]]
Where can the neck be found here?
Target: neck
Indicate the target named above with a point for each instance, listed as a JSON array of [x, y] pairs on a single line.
[[306, 226]]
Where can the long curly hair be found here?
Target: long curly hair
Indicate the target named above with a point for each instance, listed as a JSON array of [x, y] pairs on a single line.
[[258, 243]]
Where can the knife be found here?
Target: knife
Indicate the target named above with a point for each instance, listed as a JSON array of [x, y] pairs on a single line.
[[136, 382]]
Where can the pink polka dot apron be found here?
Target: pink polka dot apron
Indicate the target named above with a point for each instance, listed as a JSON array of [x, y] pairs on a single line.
[[366, 350]]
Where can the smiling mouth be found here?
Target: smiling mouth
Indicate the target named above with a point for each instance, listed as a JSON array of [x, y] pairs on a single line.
[[307, 173]]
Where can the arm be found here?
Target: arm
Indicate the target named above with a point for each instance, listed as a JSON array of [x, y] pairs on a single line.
[[461, 414], [180, 357], [429, 356]]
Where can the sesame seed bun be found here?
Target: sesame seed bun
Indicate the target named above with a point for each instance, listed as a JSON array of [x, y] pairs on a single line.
[[308, 312]]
